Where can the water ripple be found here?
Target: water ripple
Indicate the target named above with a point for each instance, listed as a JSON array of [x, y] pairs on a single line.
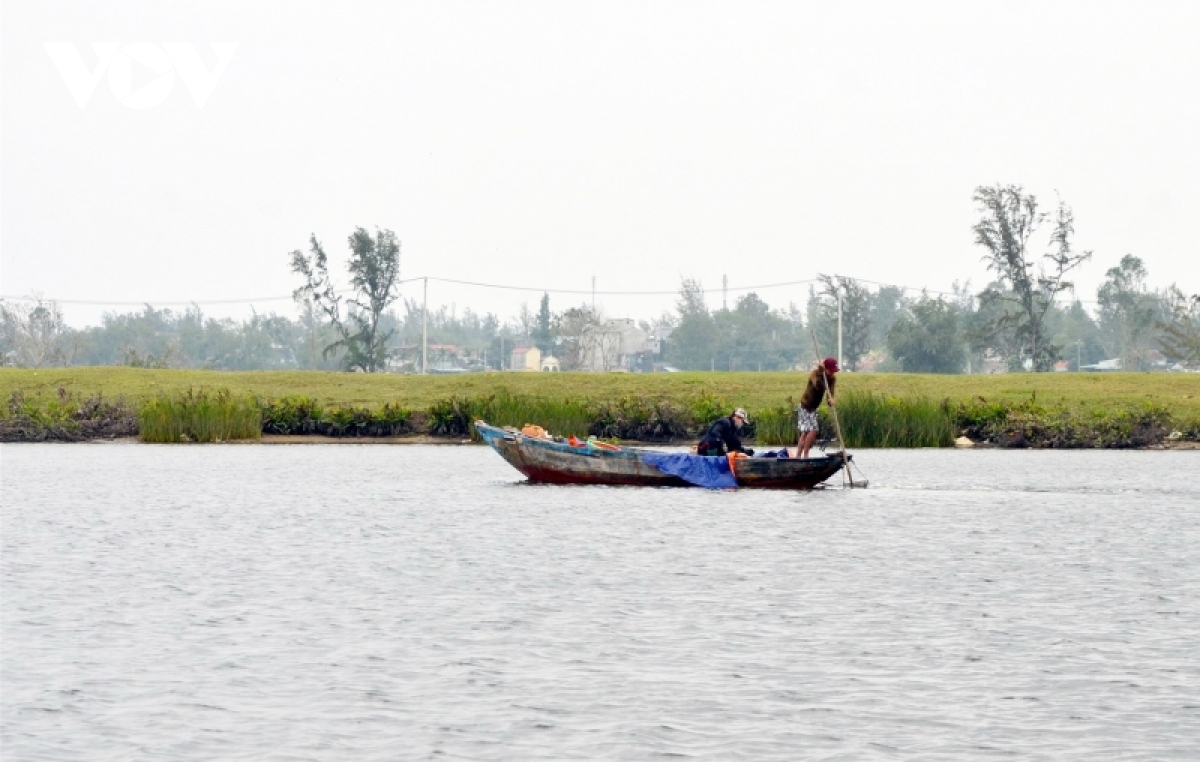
[[374, 602]]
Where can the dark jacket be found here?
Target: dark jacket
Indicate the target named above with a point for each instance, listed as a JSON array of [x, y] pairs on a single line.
[[815, 391], [721, 438]]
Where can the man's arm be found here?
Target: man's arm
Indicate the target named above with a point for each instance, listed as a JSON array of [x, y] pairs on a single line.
[[732, 441]]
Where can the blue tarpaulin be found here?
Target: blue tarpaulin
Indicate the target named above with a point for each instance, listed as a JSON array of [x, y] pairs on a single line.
[[701, 470]]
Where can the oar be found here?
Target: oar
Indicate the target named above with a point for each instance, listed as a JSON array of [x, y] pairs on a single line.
[[847, 477]]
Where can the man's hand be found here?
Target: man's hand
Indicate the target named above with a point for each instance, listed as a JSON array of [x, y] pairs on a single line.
[[832, 401]]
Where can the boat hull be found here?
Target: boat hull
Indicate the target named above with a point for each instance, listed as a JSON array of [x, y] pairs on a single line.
[[551, 462]]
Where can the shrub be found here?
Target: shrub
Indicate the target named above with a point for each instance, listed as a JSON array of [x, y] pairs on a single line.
[[301, 415], [455, 416], [64, 417], [641, 419], [292, 415]]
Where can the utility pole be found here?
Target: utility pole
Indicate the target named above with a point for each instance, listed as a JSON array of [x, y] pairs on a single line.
[[425, 329], [839, 357], [724, 292], [593, 294], [1078, 354]]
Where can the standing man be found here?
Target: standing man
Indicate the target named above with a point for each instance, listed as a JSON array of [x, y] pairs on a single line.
[[722, 437], [823, 377]]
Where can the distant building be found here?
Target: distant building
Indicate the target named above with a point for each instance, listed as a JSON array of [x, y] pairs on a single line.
[[550, 364], [1104, 365], [526, 358], [443, 358], [871, 362], [619, 344], [993, 363]]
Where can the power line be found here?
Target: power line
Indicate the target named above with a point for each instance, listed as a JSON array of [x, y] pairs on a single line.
[[503, 287], [924, 290], [478, 284], [94, 303]]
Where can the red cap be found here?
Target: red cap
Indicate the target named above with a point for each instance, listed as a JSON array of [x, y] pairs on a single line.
[[831, 365]]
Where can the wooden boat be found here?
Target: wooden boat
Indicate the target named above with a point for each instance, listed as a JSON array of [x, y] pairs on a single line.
[[553, 462]]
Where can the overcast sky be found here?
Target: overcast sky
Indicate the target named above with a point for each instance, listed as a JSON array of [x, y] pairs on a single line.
[[539, 144]]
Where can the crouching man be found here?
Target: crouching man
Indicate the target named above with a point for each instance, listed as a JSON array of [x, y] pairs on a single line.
[[722, 437]]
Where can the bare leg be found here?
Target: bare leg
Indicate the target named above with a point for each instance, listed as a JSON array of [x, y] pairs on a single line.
[[806, 442]]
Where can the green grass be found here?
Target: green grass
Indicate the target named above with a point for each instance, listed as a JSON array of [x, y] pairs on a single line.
[[876, 410], [757, 392], [194, 416]]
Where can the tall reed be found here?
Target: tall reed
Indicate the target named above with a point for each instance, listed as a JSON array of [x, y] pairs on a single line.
[[868, 420], [876, 420], [198, 416], [775, 426]]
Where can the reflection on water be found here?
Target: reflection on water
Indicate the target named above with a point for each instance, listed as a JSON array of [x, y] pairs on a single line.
[[374, 602]]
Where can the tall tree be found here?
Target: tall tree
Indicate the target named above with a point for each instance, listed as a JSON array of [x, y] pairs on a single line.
[[1079, 336], [1008, 219], [543, 335], [1128, 311], [888, 305], [36, 336], [579, 330], [694, 341], [856, 318], [927, 340], [374, 267], [1181, 332], [525, 321]]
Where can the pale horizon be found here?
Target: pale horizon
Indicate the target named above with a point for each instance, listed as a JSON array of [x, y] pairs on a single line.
[[540, 145]]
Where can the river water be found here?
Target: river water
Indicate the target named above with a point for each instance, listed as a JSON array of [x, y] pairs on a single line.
[[374, 602]]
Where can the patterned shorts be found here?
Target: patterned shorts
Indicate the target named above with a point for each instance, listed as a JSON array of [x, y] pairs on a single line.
[[807, 421]]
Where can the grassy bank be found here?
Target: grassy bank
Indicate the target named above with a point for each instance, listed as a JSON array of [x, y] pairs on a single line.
[[877, 410], [1179, 393]]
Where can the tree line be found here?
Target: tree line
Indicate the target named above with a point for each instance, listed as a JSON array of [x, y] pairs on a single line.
[[1019, 319]]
